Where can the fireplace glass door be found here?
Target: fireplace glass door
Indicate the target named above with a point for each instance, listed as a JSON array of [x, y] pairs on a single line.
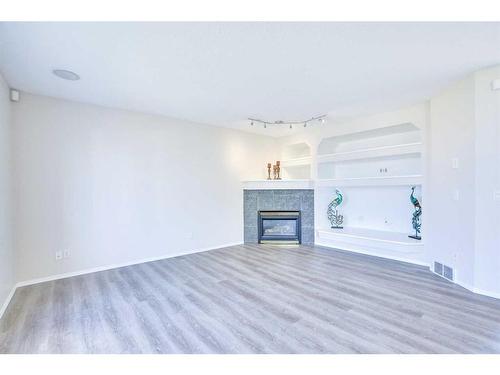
[[279, 227]]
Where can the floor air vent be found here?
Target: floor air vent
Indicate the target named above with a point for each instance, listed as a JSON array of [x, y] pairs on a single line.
[[448, 273], [438, 268], [443, 270]]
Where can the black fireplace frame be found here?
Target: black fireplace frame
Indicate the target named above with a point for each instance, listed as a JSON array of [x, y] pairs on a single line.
[[279, 215]]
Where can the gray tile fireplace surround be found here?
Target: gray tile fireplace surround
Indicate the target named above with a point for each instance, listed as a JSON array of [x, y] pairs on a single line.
[[287, 200]]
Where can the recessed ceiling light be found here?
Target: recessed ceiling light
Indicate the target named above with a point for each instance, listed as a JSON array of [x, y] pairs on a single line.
[[66, 74]]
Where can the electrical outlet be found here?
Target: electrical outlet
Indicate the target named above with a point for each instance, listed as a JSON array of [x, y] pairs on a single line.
[[189, 235], [59, 255], [66, 253], [496, 196]]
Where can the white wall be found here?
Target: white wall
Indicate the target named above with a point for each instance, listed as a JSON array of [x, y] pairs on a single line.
[[450, 223], [114, 186], [487, 178], [6, 251], [465, 124]]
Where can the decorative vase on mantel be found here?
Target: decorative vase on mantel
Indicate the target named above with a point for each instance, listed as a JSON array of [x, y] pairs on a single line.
[[336, 219]]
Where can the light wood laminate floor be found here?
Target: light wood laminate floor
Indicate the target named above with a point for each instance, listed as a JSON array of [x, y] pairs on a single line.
[[253, 299]]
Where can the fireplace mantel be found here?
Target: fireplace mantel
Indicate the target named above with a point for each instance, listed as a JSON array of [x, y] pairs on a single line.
[[278, 184]]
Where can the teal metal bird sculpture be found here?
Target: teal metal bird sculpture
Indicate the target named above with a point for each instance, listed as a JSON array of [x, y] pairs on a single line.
[[414, 199], [415, 221], [339, 198], [335, 218]]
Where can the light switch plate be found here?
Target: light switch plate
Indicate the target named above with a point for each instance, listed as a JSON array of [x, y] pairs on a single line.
[[454, 163], [456, 195]]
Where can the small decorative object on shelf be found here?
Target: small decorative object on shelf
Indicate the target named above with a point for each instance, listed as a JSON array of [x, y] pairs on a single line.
[[269, 171], [415, 221], [278, 169], [335, 218]]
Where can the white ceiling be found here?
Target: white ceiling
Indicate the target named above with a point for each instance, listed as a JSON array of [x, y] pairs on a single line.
[[222, 73]]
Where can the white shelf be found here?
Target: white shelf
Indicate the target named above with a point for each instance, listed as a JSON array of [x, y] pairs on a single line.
[[352, 233], [333, 182], [379, 243], [296, 162], [373, 152], [371, 181], [278, 184]]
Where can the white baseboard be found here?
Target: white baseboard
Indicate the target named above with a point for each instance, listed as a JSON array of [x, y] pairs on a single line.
[[470, 288], [103, 268], [373, 254], [485, 293], [482, 292], [117, 265], [7, 301]]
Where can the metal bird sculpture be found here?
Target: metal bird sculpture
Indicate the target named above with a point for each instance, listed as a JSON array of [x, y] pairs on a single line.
[[339, 198], [415, 221], [335, 218]]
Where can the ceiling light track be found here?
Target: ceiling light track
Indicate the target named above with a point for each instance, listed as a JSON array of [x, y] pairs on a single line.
[[290, 124]]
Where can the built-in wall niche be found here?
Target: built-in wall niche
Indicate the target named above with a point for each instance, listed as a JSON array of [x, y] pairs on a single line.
[[373, 138], [296, 161], [388, 166], [376, 221], [385, 209], [389, 156]]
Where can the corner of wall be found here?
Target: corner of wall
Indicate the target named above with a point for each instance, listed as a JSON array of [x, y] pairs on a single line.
[[7, 269]]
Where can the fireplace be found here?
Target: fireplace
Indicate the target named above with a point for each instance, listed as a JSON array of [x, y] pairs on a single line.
[[279, 227]]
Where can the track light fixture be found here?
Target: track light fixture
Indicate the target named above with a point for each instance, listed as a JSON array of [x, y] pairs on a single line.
[[320, 119]]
